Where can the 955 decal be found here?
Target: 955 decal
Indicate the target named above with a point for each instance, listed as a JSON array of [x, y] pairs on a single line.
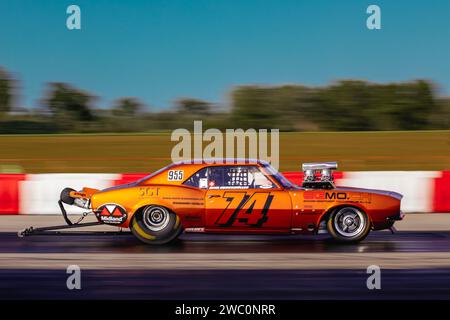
[[175, 175]]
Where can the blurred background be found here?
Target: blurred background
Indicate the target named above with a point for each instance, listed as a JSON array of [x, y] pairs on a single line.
[[105, 98]]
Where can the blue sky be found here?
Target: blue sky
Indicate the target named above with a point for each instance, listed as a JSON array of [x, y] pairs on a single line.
[[160, 50]]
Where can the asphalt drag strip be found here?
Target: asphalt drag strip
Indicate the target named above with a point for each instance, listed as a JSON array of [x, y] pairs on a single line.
[[333, 284]]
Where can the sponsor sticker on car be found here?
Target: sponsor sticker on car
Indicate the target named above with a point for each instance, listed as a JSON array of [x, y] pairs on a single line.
[[112, 213]]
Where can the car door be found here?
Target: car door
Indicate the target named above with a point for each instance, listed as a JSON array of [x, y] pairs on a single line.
[[244, 198]]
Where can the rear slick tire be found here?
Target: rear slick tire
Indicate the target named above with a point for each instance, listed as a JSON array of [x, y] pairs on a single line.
[[156, 225]]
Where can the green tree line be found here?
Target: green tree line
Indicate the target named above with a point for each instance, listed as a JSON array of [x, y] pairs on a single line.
[[349, 105]]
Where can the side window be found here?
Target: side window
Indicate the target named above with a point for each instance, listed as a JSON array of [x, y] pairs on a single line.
[[198, 179], [215, 177], [238, 177], [230, 177]]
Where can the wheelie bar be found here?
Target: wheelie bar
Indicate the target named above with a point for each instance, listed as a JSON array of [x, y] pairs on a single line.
[[45, 230]]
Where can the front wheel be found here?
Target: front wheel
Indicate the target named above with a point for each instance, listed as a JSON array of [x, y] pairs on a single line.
[[156, 225], [348, 224]]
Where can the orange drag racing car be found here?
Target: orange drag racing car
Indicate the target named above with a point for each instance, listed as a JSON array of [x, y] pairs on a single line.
[[236, 196]]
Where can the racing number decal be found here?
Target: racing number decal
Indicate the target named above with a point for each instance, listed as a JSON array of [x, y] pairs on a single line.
[[175, 175], [245, 209]]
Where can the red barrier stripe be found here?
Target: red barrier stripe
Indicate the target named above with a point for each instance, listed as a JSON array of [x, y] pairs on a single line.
[[441, 194], [129, 177], [9, 193]]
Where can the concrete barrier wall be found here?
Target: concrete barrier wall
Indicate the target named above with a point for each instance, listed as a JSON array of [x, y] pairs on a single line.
[[416, 186], [424, 191], [39, 193]]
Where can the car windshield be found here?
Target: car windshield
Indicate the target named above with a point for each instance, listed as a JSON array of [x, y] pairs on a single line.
[[278, 176]]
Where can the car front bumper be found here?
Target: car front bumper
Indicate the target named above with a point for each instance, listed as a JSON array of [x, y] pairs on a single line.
[[396, 217]]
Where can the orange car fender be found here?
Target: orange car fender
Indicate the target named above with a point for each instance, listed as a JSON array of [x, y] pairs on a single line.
[[144, 203], [335, 205]]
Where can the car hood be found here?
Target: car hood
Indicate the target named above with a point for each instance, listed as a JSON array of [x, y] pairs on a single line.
[[393, 194]]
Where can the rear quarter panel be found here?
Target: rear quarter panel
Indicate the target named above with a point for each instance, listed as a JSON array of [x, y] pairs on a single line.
[[187, 202]]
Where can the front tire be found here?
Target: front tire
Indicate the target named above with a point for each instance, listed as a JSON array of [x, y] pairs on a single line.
[[348, 224], [156, 225]]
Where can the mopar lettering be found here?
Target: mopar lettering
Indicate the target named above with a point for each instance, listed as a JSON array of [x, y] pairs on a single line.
[[320, 195], [335, 195]]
